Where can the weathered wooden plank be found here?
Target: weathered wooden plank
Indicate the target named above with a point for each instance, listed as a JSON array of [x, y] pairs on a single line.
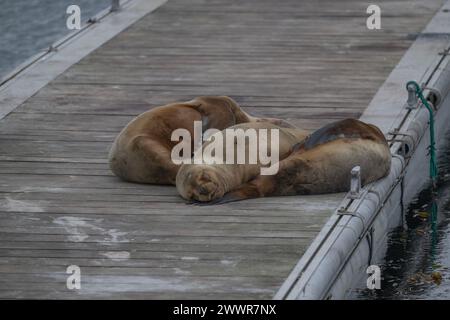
[[160, 267], [91, 197], [144, 247], [72, 225], [173, 239], [35, 167], [101, 284], [45, 293]]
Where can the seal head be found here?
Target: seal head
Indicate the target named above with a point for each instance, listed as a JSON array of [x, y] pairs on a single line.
[[200, 183]]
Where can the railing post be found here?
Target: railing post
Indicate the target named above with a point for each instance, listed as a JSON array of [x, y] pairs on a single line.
[[412, 97], [355, 183], [115, 5]]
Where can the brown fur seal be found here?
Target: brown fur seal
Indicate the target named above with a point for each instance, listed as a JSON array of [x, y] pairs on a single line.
[[322, 163], [205, 182], [142, 150]]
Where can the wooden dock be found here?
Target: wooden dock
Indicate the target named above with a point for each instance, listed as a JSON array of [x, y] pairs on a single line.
[[309, 62]]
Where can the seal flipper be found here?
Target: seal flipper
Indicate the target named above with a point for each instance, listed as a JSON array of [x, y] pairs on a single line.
[[278, 122], [246, 191], [216, 112], [259, 187], [202, 203], [343, 129]]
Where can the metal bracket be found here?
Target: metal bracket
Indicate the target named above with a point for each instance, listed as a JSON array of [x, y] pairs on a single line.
[[115, 5], [52, 48], [397, 132], [405, 148], [355, 183], [369, 237], [352, 214], [412, 97], [92, 20], [446, 52]]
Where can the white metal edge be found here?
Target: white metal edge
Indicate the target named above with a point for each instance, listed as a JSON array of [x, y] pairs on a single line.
[[384, 111]]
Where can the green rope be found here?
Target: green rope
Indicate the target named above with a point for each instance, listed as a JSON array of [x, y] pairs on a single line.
[[432, 148], [433, 163]]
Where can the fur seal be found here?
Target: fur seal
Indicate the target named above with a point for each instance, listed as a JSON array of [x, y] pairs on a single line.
[[142, 150], [322, 163], [206, 182]]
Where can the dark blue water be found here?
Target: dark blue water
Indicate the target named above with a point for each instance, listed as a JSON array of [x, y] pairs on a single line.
[[417, 263], [28, 26]]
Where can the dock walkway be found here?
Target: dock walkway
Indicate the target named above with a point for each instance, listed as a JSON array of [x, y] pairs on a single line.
[[308, 62]]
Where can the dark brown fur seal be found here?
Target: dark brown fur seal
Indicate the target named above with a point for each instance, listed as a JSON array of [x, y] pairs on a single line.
[[322, 163], [205, 182], [142, 150]]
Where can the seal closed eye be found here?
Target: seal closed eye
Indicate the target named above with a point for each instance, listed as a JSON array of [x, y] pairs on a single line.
[[322, 163]]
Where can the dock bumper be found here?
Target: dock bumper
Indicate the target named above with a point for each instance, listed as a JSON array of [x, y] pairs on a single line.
[[355, 237]]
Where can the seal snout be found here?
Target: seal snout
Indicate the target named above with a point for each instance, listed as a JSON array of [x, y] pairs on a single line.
[[206, 187], [200, 184]]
